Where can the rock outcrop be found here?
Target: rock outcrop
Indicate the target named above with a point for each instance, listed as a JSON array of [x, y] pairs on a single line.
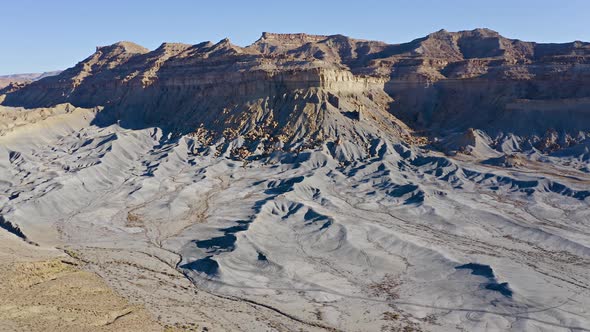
[[312, 183], [297, 86]]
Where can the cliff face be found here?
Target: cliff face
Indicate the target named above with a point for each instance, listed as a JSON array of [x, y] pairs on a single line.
[[444, 81], [315, 182]]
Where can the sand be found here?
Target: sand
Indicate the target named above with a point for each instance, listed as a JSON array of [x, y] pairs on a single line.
[[45, 290]]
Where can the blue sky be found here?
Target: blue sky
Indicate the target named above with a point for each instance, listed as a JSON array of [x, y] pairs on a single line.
[[44, 35]]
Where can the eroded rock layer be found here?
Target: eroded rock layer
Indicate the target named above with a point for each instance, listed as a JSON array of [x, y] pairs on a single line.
[[316, 182], [446, 80]]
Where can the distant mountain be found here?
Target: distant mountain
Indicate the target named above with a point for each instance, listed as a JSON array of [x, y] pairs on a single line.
[[446, 80], [22, 78]]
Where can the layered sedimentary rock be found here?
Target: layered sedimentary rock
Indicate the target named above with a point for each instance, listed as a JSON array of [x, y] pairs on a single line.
[[217, 87], [446, 80], [316, 182]]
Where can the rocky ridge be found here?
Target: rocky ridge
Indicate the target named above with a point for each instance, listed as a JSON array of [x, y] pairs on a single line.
[[315, 182], [444, 81], [18, 79]]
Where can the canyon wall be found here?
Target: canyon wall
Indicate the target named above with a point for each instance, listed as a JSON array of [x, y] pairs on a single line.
[[446, 81]]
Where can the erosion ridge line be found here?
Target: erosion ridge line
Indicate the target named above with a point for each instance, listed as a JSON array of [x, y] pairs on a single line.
[[446, 80]]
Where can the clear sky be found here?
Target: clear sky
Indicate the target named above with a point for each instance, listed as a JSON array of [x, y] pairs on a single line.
[[43, 35]]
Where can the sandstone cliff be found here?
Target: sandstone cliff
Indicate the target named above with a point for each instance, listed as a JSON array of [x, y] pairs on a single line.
[[296, 86], [16, 79], [301, 183]]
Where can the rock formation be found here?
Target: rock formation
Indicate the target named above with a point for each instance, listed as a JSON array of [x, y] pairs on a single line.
[[315, 183], [446, 80]]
